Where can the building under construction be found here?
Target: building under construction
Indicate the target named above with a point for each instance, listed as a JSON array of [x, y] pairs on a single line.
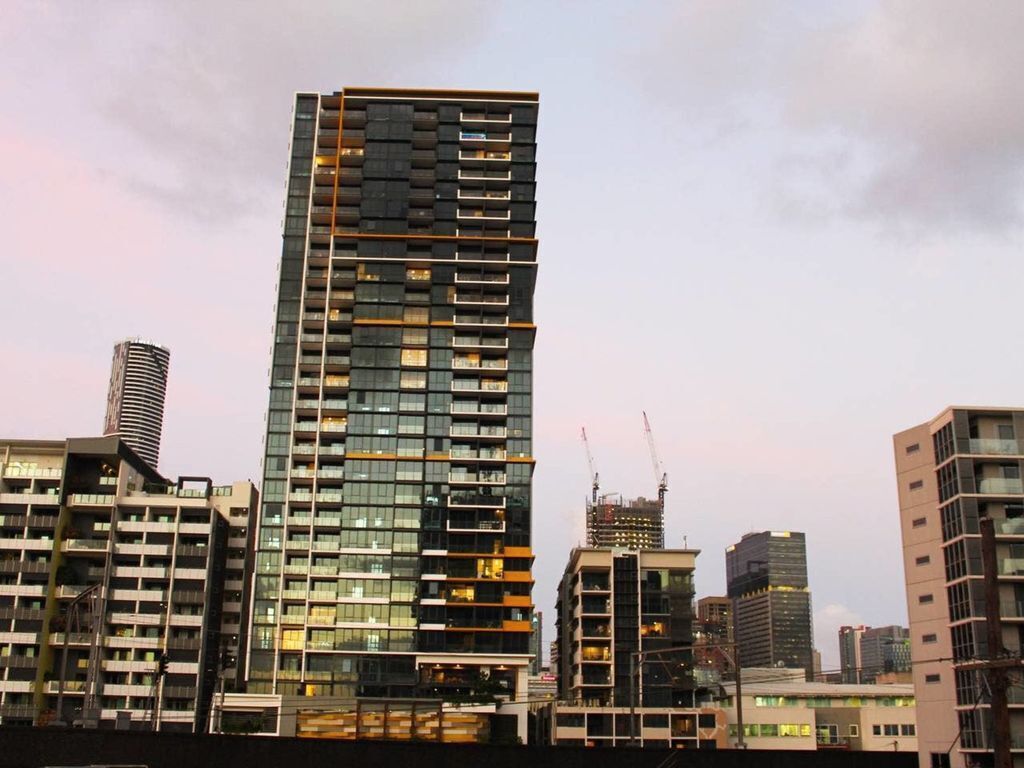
[[633, 524]]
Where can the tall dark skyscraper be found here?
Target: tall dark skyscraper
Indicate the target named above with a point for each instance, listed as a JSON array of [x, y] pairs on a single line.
[[394, 554], [135, 398], [767, 581]]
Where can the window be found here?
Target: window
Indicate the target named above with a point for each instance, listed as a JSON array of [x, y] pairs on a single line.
[[931, 637], [925, 599], [923, 560], [914, 448], [932, 678], [916, 484], [416, 357], [854, 730], [1005, 431], [919, 522], [908, 729]]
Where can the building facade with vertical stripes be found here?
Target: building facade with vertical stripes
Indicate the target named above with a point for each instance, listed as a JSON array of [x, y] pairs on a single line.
[[135, 398], [393, 552]]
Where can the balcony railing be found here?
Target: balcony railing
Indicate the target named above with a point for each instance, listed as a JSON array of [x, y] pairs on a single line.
[[1011, 566], [994, 447], [32, 472], [1011, 526], [1001, 485]]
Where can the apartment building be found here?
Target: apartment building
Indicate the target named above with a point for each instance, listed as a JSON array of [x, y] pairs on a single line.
[[624, 628], [122, 592], [952, 471], [394, 552], [766, 574], [135, 397], [713, 649]]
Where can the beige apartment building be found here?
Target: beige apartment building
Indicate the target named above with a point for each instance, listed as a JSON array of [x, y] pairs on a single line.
[[963, 465], [122, 594], [783, 711]]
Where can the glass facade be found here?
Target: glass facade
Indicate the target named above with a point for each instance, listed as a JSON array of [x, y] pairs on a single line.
[[767, 581], [393, 549]]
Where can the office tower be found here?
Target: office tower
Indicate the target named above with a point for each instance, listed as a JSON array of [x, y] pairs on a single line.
[[850, 664], [715, 617], [629, 523], [767, 581], [712, 642], [105, 569], [613, 605], [962, 466], [394, 551], [884, 651], [135, 398]]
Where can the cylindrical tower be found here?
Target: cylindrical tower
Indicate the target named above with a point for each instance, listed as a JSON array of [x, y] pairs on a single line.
[[135, 400]]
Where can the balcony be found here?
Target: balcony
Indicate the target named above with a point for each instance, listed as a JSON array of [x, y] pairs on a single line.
[[488, 278], [471, 364], [1011, 526], [1001, 486], [485, 215], [480, 320], [483, 117], [480, 174], [474, 385], [91, 499], [479, 409], [492, 526], [481, 299], [470, 500], [475, 478], [994, 447], [1011, 609], [483, 194], [89, 546], [481, 342], [484, 454], [476, 430], [33, 472]]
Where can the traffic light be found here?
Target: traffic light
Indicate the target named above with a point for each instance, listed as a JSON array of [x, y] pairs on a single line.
[[161, 668]]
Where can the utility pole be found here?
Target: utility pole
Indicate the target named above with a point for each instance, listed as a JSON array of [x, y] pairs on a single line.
[[72, 619], [995, 672]]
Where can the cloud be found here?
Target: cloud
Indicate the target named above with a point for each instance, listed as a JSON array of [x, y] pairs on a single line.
[[931, 106], [195, 97], [910, 121]]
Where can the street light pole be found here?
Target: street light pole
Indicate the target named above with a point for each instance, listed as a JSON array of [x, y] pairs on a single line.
[[71, 610]]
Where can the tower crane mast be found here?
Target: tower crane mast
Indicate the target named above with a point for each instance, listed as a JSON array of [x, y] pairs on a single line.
[[595, 483], [660, 476]]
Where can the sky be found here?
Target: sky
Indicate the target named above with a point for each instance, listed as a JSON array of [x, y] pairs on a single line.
[[785, 231]]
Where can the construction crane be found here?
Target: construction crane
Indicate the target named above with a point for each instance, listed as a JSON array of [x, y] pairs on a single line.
[[660, 476], [594, 481]]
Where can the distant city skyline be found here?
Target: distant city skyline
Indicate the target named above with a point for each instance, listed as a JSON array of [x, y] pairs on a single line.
[[759, 215]]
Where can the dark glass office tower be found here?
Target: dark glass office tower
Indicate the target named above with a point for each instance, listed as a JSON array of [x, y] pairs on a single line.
[[767, 581], [394, 553]]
